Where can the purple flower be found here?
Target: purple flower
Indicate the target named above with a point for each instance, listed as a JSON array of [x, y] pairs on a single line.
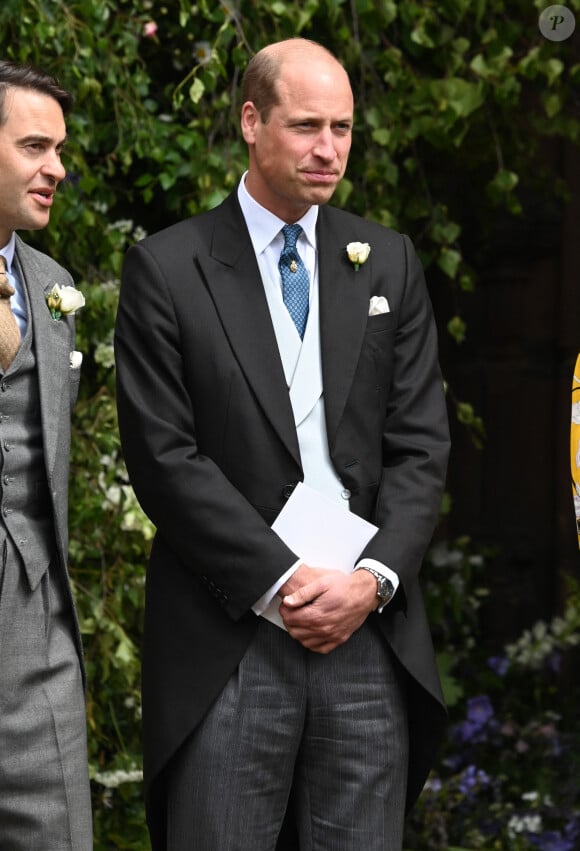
[[472, 777], [434, 785], [572, 828], [479, 710], [479, 715], [499, 665], [551, 840], [467, 732]]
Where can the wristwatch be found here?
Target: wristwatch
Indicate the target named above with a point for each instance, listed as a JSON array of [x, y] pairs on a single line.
[[385, 589]]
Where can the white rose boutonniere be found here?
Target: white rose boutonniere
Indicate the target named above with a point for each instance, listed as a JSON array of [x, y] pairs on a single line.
[[358, 253], [64, 300]]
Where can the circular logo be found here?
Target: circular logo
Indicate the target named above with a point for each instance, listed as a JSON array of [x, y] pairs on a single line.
[[557, 23]]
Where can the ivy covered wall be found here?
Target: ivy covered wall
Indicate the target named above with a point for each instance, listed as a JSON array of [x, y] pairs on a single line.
[[456, 101]]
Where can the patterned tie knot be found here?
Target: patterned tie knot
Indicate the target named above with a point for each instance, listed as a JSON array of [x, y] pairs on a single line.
[[291, 234], [5, 289]]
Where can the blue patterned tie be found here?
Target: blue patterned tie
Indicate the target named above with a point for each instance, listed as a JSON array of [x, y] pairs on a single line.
[[295, 280]]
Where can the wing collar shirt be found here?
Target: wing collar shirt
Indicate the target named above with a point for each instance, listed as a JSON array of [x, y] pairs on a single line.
[[266, 234], [267, 240]]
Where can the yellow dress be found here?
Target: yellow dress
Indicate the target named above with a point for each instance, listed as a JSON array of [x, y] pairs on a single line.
[[575, 443]]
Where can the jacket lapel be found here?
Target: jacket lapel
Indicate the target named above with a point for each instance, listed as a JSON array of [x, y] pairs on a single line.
[[52, 343], [231, 274], [344, 306]]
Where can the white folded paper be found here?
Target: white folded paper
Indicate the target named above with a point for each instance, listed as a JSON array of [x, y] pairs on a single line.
[[322, 533]]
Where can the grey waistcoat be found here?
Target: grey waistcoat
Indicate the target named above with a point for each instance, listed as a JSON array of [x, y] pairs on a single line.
[[25, 506]]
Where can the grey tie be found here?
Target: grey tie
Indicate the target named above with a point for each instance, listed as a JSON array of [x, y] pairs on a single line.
[[295, 280], [9, 331]]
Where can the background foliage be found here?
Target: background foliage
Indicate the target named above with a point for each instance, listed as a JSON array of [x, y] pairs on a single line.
[[455, 100]]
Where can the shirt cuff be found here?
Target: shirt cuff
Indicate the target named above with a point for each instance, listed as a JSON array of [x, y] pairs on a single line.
[[384, 571], [264, 601]]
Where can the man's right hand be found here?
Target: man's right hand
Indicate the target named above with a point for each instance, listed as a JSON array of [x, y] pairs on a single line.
[[322, 608]]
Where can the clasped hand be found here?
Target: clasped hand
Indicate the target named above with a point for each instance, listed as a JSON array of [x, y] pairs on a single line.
[[322, 608]]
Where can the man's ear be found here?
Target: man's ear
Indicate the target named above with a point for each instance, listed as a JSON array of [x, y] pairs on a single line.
[[250, 118]]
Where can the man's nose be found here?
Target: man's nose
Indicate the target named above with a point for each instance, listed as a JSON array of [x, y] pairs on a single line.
[[324, 147], [53, 167]]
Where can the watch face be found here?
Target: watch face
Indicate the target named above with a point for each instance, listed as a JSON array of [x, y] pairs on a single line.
[[385, 589]]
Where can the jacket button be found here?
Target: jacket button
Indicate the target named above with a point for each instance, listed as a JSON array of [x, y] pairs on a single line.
[[346, 494], [287, 491]]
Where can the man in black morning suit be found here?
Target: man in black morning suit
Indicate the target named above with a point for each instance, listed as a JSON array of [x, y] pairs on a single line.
[[224, 405]]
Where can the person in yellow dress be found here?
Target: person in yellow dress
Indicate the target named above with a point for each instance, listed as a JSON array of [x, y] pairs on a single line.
[[575, 443]]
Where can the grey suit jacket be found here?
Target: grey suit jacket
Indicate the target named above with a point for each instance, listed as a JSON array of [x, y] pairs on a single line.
[[53, 341]]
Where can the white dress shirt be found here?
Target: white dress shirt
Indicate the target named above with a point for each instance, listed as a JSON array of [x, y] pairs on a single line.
[[267, 240]]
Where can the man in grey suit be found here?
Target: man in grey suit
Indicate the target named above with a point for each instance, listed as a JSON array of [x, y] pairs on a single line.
[[255, 351], [44, 784]]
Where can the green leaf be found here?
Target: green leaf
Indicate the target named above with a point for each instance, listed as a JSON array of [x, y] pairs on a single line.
[[552, 104], [466, 283], [452, 690], [479, 66], [196, 90], [381, 136], [445, 232], [449, 261], [373, 117], [421, 36], [446, 503], [461, 45], [504, 181], [530, 63], [459, 95], [166, 179], [457, 328], [553, 69]]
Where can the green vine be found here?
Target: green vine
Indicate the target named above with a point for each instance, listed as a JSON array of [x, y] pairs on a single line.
[[454, 101]]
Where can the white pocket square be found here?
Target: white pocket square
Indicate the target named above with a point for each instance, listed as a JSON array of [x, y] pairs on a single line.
[[378, 304], [76, 358]]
